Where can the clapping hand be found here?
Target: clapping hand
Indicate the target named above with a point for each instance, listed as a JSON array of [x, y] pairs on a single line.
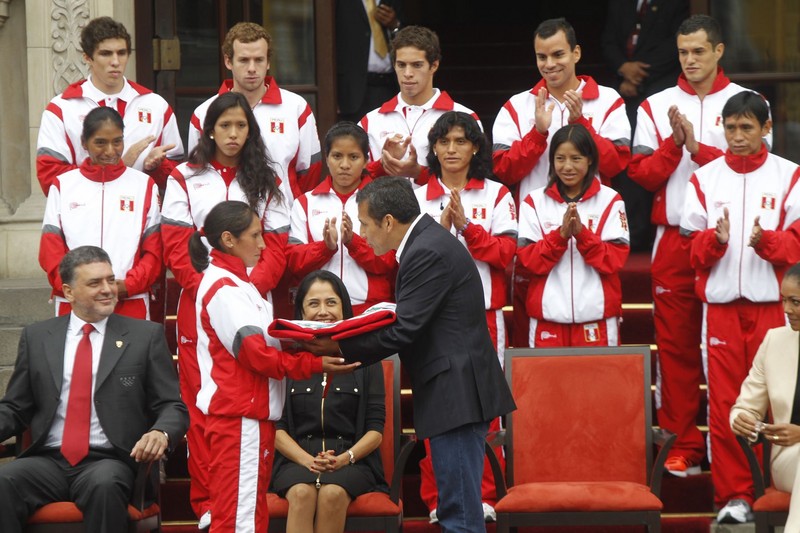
[[330, 235], [756, 234], [543, 114], [571, 224], [723, 229]]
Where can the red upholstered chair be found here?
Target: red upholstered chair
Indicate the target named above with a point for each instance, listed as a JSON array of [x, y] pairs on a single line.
[[580, 444], [64, 517], [374, 511], [771, 506]]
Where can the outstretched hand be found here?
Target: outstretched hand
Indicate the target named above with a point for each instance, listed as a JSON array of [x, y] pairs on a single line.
[[337, 365]]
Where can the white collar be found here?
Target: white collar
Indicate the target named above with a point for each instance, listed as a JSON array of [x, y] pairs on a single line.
[[405, 237]]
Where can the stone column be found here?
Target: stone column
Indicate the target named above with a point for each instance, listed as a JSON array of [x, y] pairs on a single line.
[[42, 38]]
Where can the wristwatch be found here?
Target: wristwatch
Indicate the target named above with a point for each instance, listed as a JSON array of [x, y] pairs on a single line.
[[461, 230], [352, 457]]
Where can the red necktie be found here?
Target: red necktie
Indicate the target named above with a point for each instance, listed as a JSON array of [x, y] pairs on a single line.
[[75, 441], [633, 38]]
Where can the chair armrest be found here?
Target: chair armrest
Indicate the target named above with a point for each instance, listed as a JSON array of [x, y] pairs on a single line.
[[140, 485], [759, 484], [494, 439], [664, 440], [409, 441]]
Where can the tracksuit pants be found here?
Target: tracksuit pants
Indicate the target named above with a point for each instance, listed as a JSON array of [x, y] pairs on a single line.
[[732, 334], [678, 316]]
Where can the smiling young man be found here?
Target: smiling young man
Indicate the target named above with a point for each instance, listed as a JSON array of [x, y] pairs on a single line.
[[741, 211], [404, 121], [527, 120], [679, 130], [152, 141], [287, 123]]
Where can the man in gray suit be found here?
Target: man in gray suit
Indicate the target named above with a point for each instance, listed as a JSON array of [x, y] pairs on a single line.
[[99, 394], [443, 342]]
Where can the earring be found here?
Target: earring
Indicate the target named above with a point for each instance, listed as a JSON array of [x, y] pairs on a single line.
[[211, 136], [434, 153], [475, 152]]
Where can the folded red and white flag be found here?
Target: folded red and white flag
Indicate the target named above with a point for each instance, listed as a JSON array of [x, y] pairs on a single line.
[[376, 317]]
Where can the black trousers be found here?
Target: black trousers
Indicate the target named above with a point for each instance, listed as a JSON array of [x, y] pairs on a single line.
[[100, 486]]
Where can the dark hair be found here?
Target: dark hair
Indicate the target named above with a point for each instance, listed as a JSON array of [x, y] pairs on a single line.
[[390, 195], [550, 27], [96, 118], [419, 37], [582, 140], [345, 128], [245, 32], [82, 255], [480, 166], [746, 104], [793, 272], [696, 23], [231, 215], [100, 29], [255, 174], [326, 277]]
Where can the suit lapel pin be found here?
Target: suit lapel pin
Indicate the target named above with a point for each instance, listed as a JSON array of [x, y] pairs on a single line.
[[119, 344]]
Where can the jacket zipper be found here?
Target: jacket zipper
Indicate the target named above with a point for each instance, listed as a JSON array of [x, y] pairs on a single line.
[[744, 217], [322, 419], [102, 207]]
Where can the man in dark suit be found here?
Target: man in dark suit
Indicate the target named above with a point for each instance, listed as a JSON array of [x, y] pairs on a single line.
[[639, 45], [365, 76], [99, 394], [443, 342]]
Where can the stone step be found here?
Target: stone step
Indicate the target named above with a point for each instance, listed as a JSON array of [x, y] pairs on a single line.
[[24, 301]]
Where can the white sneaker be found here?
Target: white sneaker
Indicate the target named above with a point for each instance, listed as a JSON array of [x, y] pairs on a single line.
[[488, 513], [205, 521], [735, 512], [433, 518]]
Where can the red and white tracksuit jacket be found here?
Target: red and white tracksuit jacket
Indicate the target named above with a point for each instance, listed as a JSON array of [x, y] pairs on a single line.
[[658, 164], [115, 208], [664, 168], [575, 280], [289, 130], [59, 147], [191, 193], [520, 152], [763, 186], [242, 393], [368, 278], [415, 121], [490, 237], [740, 283]]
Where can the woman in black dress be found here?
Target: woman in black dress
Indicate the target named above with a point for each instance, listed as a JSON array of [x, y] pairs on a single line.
[[328, 438]]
